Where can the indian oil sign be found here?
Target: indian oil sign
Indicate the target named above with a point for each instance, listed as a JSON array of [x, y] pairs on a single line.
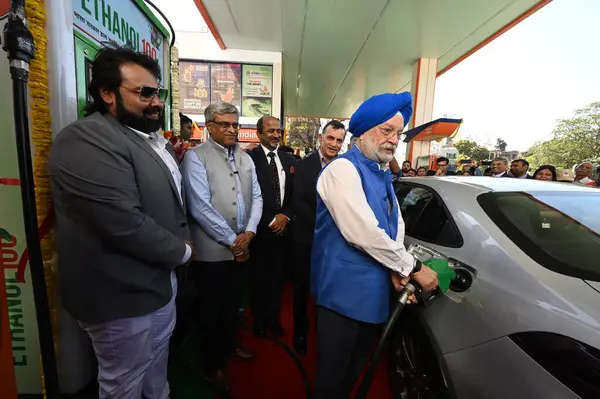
[[119, 22]]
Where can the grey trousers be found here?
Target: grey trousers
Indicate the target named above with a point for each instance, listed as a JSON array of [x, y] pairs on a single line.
[[133, 353]]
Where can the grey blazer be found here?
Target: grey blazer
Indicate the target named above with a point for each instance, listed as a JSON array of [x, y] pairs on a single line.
[[120, 226]]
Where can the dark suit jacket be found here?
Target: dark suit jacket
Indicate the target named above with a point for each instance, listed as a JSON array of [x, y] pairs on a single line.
[[263, 173], [305, 198], [120, 226]]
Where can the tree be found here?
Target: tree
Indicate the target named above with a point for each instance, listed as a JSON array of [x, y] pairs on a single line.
[[573, 140], [500, 145], [470, 150], [302, 132]]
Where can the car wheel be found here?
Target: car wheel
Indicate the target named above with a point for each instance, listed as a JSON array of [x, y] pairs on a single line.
[[415, 370]]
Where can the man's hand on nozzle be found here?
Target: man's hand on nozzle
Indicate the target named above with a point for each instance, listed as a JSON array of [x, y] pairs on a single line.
[[427, 278]]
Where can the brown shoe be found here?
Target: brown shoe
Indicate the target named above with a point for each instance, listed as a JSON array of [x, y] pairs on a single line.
[[244, 353]]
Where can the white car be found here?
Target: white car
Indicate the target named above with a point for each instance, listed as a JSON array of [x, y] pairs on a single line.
[[523, 318]]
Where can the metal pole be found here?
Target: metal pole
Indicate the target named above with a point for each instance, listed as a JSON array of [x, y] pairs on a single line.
[[18, 43]]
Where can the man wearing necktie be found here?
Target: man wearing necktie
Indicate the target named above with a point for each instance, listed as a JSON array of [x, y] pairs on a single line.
[[275, 173], [225, 206]]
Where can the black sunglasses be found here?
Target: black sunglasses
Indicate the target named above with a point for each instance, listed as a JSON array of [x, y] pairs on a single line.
[[147, 93]]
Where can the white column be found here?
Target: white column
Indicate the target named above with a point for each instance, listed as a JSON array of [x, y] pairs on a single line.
[[423, 92], [74, 353], [60, 53]]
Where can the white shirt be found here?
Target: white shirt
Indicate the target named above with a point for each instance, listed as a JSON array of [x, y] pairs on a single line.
[[341, 190], [279, 170], [159, 145]]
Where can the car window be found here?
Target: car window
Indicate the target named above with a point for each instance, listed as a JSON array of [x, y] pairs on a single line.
[[559, 230], [425, 217]]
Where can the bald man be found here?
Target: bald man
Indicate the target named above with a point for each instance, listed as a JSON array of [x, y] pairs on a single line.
[[275, 175]]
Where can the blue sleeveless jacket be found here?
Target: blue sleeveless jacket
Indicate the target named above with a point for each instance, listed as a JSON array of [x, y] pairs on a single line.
[[343, 278]]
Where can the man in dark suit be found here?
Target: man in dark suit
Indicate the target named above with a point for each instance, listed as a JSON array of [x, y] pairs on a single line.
[[500, 167], [305, 209], [275, 171], [121, 228], [519, 168]]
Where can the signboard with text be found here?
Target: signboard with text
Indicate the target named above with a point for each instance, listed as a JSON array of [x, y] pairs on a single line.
[[194, 87], [257, 90], [248, 87], [226, 83], [120, 22], [248, 136]]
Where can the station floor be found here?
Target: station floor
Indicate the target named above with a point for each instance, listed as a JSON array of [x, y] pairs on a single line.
[[273, 374]]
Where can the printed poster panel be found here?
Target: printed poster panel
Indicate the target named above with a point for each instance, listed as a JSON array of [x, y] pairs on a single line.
[[257, 90], [19, 291], [120, 22], [194, 87], [226, 83]]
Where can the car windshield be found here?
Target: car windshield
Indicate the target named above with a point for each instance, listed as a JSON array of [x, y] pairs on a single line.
[[559, 230]]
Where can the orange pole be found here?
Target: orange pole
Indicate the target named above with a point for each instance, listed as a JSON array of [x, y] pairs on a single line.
[[209, 22]]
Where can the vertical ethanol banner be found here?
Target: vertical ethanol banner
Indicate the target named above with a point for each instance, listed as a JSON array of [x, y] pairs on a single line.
[[19, 291]]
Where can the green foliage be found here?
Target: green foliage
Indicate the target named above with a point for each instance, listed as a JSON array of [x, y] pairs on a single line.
[[500, 145], [573, 140], [302, 132], [470, 150]]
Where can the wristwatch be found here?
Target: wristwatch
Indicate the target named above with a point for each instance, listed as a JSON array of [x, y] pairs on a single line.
[[417, 267]]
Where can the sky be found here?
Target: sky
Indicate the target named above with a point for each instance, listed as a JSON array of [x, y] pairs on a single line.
[[520, 84]]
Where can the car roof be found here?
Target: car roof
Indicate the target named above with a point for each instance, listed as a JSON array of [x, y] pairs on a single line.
[[477, 184]]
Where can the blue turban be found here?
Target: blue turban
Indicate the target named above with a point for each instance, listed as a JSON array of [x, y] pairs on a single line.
[[379, 109]]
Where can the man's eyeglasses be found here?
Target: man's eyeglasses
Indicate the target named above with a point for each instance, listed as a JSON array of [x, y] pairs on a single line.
[[147, 93], [227, 125], [388, 131]]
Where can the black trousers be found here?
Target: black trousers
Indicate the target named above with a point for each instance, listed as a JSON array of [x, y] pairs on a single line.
[[266, 275], [343, 347], [219, 286], [301, 282]]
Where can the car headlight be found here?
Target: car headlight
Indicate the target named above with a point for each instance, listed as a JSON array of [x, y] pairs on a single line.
[[575, 364]]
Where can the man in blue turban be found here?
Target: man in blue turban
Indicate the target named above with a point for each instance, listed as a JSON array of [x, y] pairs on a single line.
[[358, 246]]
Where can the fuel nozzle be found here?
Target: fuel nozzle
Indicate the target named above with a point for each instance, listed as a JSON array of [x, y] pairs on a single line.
[[17, 40]]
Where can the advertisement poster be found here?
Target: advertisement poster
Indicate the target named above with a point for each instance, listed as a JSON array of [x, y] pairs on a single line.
[[194, 87], [22, 321], [119, 22], [226, 81], [257, 90]]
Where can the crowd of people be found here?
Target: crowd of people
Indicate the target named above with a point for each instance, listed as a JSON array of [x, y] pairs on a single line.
[[583, 173], [137, 218]]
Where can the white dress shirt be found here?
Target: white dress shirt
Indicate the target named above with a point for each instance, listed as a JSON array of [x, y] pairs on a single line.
[[340, 188], [279, 170], [159, 145]]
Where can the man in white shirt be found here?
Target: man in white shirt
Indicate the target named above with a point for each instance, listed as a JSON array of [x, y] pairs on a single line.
[[583, 172], [358, 246], [274, 170]]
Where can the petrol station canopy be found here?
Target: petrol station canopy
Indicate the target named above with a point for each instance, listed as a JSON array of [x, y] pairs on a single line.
[[336, 53]]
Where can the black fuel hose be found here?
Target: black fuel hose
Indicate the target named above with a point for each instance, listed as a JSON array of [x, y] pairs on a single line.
[[365, 384]]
